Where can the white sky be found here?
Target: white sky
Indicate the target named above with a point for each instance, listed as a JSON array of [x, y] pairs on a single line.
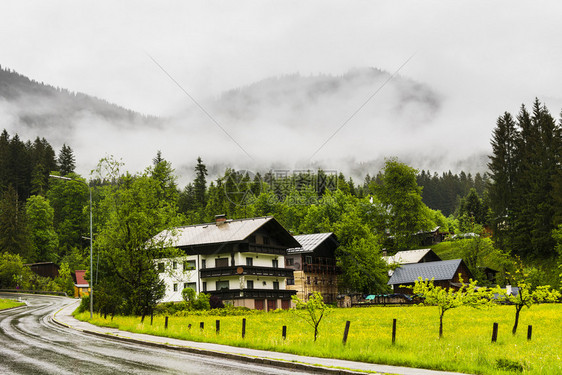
[[482, 57]]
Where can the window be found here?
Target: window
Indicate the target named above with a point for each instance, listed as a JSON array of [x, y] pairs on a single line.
[[189, 265], [308, 280], [221, 262], [190, 285], [203, 263], [204, 286], [308, 260], [175, 287], [160, 267], [222, 285], [275, 263], [289, 261], [265, 240], [276, 285], [250, 284], [249, 261], [252, 239], [175, 265], [290, 281]]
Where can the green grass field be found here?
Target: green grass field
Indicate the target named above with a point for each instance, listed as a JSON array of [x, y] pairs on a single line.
[[465, 347], [8, 303]]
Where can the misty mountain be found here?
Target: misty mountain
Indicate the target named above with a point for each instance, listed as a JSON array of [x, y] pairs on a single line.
[[349, 122], [295, 100], [31, 104]]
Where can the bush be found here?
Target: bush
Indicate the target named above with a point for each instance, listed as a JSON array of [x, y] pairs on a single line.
[[216, 302], [84, 305]]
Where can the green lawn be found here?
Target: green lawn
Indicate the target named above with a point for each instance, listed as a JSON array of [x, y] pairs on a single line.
[[7, 303], [465, 347]]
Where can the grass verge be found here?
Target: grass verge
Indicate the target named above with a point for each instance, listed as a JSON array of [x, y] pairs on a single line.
[[466, 345], [9, 303]]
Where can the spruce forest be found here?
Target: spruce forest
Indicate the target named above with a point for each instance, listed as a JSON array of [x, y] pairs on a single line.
[[513, 210]]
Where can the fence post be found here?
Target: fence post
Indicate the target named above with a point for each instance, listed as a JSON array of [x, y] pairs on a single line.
[[284, 332], [243, 327], [166, 323], [529, 332], [218, 326], [346, 332], [151, 317], [495, 332], [393, 331]]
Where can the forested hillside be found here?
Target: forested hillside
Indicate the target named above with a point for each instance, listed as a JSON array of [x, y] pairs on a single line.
[[29, 103]]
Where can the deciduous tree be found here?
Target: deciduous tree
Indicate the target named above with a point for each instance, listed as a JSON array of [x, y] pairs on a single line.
[[44, 239], [312, 311], [129, 244], [450, 298]]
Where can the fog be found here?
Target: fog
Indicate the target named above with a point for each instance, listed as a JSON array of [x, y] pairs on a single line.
[[349, 123], [282, 77]]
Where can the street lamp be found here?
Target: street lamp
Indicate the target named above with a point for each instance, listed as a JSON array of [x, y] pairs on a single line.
[[91, 243]]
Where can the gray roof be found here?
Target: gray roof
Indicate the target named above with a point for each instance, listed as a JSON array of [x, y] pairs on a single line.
[[309, 242], [406, 257], [212, 233], [409, 273]]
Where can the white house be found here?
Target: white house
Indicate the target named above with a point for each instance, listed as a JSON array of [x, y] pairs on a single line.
[[241, 261]]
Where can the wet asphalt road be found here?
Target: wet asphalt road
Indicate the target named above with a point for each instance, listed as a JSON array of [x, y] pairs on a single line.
[[30, 343]]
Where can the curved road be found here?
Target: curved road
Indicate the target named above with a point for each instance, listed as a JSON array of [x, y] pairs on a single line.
[[33, 344]]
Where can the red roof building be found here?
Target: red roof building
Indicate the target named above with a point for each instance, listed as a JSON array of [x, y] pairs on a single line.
[[81, 285]]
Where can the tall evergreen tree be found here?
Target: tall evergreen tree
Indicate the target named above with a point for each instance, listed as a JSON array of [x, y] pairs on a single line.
[[163, 172], [14, 234], [66, 160], [200, 185], [502, 167], [524, 167]]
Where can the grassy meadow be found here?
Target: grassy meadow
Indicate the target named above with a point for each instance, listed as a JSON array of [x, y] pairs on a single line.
[[8, 303], [465, 347]]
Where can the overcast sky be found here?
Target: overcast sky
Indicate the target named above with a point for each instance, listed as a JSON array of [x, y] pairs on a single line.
[[481, 57]]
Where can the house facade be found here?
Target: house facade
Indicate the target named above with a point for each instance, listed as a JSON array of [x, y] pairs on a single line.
[[314, 266], [240, 261]]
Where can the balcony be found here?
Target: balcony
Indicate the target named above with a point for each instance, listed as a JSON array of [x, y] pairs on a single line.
[[261, 249], [245, 271], [322, 268], [226, 294]]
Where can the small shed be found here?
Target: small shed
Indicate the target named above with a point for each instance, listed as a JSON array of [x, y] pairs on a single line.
[[446, 273], [81, 285]]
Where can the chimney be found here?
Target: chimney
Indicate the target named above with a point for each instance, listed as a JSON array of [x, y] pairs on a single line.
[[220, 219]]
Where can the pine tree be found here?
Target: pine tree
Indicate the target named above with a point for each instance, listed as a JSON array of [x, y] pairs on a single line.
[[524, 168], [163, 172], [66, 160], [14, 234], [200, 185], [502, 167]]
